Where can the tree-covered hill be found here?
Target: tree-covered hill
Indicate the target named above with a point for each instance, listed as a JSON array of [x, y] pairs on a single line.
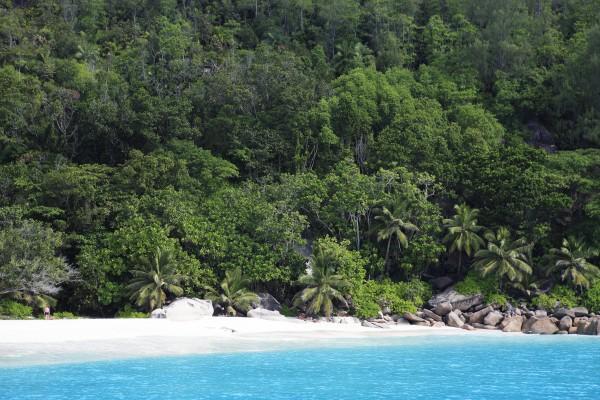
[[398, 140]]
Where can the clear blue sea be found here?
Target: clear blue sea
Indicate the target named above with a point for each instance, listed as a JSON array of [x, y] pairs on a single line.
[[463, 367]]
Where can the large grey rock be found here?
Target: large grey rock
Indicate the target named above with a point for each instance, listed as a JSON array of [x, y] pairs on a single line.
[[565, 323], [438, 324], [582, 326], [186, 309], [430, 314], [412, 318], [478, 316], [267, 302], [592, 327], [458, 301], [454, 320], [262, 313], [562, 312], [542, 325], [443, 308], [493, 318], [159, 313], [580, 311], [541, 313], [441, 283], [512, 324]]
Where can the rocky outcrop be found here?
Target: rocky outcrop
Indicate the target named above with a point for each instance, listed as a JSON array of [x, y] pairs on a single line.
[[580, 311], [565, 323], [454, 320], [430, 314], [512, 324], [541, 325], [186, 309], [267, 302], [443, 308], [262, 313], [562, 312], [159, 313], [478, 316], [457, 300], [493, 318], [412, 318]]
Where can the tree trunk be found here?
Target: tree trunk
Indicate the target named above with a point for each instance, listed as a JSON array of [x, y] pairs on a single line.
[[387, 254]]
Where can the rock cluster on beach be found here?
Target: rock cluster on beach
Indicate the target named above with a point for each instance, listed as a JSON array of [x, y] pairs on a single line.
[[453, 309]]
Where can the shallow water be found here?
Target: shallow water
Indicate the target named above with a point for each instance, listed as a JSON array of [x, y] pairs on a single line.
[[435, 367]]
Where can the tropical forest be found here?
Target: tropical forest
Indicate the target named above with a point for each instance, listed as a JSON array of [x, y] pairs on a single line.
[[340, 155]]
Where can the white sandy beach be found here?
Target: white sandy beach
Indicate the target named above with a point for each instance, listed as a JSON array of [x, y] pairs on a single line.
[[40, 341]]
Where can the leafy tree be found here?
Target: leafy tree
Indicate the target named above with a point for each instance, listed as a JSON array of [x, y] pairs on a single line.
[[234, 295], [504, 258], [573, 265], [29, 264], [158, 276], [393, 228], [323, 284], [462, 236]]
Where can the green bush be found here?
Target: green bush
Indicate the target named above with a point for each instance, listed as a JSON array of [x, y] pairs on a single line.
[[544, 302], [565, 296], [497, 298], [488, 287], [64, 315], [15, 310], [592, 298], [559, 296], [288, 312], [129, 312], [400, 297]]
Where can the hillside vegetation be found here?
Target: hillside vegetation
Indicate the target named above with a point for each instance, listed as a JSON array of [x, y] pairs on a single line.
[[392, 141]]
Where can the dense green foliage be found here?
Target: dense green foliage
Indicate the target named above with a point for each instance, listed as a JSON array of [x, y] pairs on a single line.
[[243, 134], [13, 309]]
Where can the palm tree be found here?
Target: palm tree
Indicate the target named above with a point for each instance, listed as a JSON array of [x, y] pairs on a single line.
[[233, 296], [571, 260], [393, 228], [150, 285], [504, 258], [323, 285], [462, 232]]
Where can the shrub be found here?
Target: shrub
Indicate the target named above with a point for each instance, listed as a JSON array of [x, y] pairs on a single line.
[[544, 302], [288, 312], [565, 296], [400, 297], [488, 287], [559, 296], [592, 298], [129, 312], [64, 315], [497, 298], [15, 310]]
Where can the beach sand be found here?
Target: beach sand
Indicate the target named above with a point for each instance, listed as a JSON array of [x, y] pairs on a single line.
[[61, 341]]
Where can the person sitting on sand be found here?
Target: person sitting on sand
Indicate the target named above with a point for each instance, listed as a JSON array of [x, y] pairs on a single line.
[[46, 312]]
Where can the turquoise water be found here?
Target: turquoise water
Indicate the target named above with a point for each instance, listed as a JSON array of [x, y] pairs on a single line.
[[466, 367]]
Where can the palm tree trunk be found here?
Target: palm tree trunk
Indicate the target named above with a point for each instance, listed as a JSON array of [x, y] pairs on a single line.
[[459, 262], [387, 254]]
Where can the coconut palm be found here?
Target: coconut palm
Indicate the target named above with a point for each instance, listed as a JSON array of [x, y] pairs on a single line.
[[234, 295], [462, 236], [393, 228], [572, 263], [322, 285], [504, 258], [158, 276]]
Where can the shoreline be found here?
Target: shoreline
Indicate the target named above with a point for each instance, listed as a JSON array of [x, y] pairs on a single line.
[[38, 342]]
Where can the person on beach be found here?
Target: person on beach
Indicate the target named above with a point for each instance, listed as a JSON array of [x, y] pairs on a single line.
[[46, 312]]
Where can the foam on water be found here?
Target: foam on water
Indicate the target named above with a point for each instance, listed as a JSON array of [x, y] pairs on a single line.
[[435, 367]]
